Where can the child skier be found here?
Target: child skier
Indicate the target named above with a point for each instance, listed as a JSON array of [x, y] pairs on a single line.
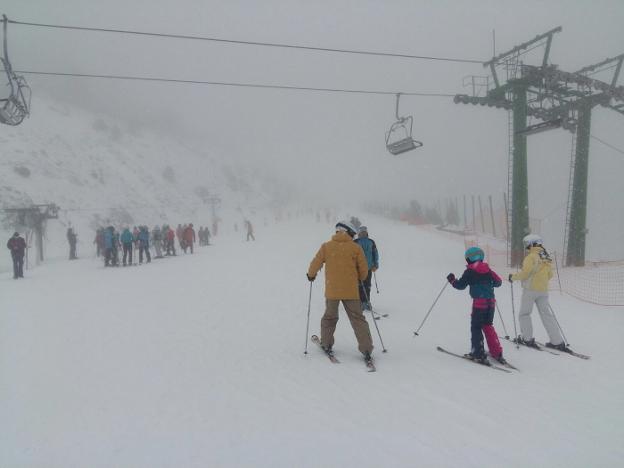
[[482, 281]]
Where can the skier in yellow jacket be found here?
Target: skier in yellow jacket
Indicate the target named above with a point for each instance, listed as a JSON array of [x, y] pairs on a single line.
[[535, 275], [345, 267]]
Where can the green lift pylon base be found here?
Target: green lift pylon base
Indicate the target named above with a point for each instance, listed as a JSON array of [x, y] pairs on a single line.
[[520, 181], [577, 230]]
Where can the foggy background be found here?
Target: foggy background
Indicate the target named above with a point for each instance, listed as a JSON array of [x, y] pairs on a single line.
[[331, 146]]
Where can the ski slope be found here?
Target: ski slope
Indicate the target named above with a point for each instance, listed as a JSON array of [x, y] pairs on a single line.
[[197, 361]]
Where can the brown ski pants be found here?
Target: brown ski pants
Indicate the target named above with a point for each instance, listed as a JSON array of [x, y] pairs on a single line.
[[356, 317]]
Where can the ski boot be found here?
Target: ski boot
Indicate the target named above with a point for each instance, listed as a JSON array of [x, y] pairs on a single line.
[[500, 359], [367, 357], [480, 359], [530, 343], [560, 347]]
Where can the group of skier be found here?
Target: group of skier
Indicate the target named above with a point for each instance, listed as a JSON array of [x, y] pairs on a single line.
[[349, 265], [535, 274], [109, 242]]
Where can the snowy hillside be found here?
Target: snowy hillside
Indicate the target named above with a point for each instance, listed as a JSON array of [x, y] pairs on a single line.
[[197, 361], [98, 169]]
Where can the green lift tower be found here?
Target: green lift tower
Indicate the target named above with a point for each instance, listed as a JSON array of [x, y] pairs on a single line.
[[555, 99]]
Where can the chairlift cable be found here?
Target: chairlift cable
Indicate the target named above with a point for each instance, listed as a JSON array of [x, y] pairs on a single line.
[[252, 43], [608, 144], [233, 84]]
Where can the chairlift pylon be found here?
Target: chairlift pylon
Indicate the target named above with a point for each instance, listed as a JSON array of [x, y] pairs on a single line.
[[399, 137], [15, 107]]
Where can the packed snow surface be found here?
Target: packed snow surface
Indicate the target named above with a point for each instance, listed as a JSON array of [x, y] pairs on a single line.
[[197, 361]]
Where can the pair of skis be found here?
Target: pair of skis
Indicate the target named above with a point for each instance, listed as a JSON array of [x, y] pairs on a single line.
[[370, 365], [543, 347], [504, 367]]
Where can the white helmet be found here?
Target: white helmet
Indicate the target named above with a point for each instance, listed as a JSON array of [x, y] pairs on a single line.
[[345, 227], [532, 239]]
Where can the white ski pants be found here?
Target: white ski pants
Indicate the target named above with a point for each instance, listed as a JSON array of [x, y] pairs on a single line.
[[540, 299], [158, 247]]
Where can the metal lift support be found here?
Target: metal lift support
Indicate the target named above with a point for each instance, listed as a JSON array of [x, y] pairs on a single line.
[[557, 99]]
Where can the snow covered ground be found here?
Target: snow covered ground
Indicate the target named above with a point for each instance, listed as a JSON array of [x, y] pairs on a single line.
[[197, 361]]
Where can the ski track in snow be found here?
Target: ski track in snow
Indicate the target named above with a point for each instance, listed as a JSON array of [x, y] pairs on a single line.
[[197, 361]]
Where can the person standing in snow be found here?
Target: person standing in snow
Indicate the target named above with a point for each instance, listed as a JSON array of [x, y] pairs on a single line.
[[535, 275], [345, 267], [170, 239], [482, 281], [99, 242], [200, 236], [135, 234], [180, 235], [17, 245], [108, 239], [355, 222], [372, 258], [116, 247], [249, 227], [207, 235], [72, 238], [189, 237], [157, 241], [144, 239], [126, 244]]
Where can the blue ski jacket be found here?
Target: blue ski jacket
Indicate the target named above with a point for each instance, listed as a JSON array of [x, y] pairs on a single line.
[[127, 237], [370, 251]]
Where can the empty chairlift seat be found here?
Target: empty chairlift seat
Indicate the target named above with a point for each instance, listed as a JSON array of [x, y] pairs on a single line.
[[14, 107], [399, 138]]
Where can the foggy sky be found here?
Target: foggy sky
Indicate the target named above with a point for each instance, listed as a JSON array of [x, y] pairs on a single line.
[[331, 146]]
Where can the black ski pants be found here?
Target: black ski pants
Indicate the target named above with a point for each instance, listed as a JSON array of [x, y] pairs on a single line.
[[479, 319], [72, 251], [144, 247], [18, 265], [127, 253], [365, 291]]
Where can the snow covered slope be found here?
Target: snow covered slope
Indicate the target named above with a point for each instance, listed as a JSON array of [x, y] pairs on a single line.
[[102, 170], [197, 361]]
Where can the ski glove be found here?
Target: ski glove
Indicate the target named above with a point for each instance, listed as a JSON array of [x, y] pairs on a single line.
[[310, 278], [450, 278], [510, 278]]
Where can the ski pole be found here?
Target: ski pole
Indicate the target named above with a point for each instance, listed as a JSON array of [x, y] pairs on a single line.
[[560, 329], [513, 313], [446, 283], [502, 321], [374, 319], [308, 322], [375, 278]]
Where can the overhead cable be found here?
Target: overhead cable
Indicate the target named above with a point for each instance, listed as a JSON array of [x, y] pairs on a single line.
[[252, 43], [233, 84], [608, 144]]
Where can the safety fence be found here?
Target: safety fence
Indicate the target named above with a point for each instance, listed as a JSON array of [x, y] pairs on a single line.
[[600, 283]]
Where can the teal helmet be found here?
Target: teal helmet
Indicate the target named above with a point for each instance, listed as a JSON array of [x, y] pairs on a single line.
[[474, 254]]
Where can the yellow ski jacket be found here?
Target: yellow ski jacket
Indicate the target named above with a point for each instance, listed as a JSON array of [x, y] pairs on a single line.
[[536, 270]]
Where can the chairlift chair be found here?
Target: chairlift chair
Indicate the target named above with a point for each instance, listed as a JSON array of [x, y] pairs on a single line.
[[399, 138], [15, 107]]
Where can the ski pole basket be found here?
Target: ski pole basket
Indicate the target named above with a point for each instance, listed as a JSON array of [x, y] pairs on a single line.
[[16, 106], [399, 138]]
